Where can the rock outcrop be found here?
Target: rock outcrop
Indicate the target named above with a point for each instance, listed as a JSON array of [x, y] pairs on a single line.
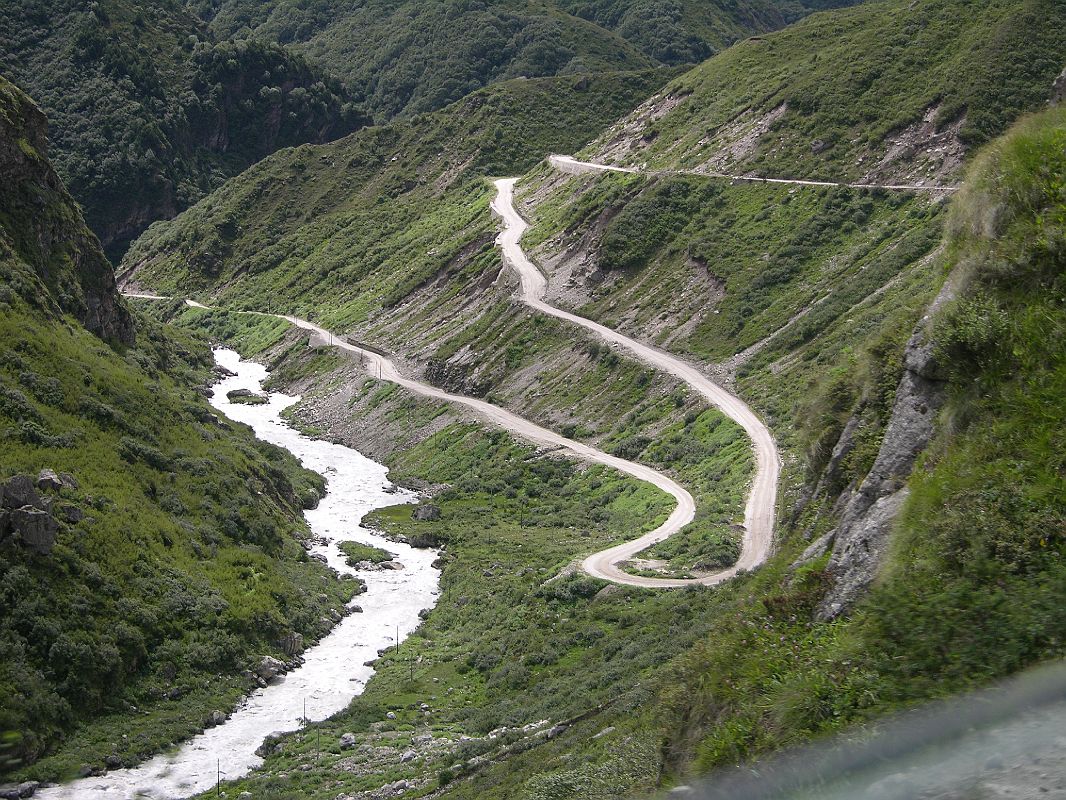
[[861, 537], [426, 512], [27, 518], [292, 644], [1058, 89], [42, 228]]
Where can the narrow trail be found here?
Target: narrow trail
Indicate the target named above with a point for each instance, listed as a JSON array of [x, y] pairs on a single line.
[[572, 166], [762, 499]]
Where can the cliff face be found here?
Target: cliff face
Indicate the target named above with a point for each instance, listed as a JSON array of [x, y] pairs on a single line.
[[860, 539], [148, 111], [49, 256]]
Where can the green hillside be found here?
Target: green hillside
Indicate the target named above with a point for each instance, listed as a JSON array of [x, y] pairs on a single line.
[[163, 557], [649, 689], [905, 348], [149, 111], [884, 89], [401, 56], [361, 222]]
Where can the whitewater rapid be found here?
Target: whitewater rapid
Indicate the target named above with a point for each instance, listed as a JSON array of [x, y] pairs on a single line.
[[333, 671]]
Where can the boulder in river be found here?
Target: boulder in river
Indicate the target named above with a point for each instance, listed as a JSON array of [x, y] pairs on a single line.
[[18, 790], [246, 396], [269, 668]]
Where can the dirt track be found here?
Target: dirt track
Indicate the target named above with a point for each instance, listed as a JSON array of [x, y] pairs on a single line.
[[762, 499]]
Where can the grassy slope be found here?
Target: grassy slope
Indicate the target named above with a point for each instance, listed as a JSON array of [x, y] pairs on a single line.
[[837, 277], [353, 227], [971, 591], [764, 676], [186, 564], [410, 57], [853, 78]]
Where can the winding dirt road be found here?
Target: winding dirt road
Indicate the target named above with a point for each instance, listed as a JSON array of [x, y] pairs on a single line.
[[762, 499], [759, 513], [382, 367], [572, 166]]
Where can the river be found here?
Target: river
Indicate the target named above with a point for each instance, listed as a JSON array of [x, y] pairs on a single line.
[[333, 671]]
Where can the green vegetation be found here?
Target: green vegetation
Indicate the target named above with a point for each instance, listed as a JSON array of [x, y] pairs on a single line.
[[846, 84], [149, 111], [347, 230], [187, 562], [175, 559], [568, 688], [411, 56], [509, 642], [354, 552], [656, 686]]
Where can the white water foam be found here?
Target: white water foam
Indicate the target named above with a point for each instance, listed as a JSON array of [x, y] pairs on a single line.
[[333, 671]]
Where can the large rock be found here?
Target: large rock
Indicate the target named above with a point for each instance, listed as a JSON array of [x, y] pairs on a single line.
[[70, 513], [292, 643], [49, 481], [427, 512], [348, 741], [270, 668], [13, 791], [34, 528], [19, 491]]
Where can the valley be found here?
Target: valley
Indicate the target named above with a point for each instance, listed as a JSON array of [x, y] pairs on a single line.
[[735, 430], [331, 672]]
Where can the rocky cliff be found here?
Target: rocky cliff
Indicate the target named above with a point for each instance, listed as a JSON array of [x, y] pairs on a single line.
[[50, 257], [859, 540]]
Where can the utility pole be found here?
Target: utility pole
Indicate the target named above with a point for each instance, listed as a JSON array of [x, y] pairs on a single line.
[[218, 777]]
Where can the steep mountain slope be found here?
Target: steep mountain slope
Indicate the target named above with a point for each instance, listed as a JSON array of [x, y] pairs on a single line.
[[149, 111], [804, 297], [41, 230], [149, 550], [407, 57], [408, 191], [811, 301], [970, 592], [891, 90], [786, 291]]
